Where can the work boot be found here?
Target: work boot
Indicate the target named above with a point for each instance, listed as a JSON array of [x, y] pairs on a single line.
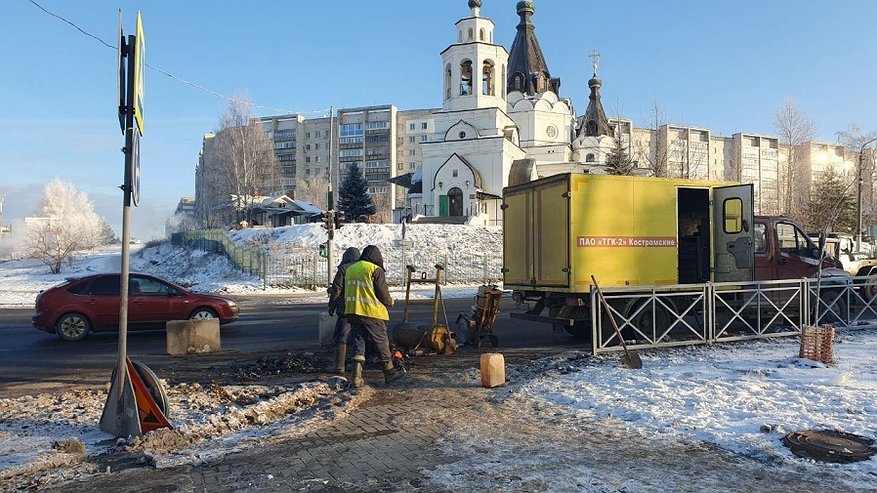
[[358, 361], [340, 356], [392, 374]]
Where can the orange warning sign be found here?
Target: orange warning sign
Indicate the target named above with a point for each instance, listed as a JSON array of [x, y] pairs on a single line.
[[151, 417]]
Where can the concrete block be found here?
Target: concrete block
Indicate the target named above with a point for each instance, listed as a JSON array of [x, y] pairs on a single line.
[[193, 336], [492, 370], [327, 329]]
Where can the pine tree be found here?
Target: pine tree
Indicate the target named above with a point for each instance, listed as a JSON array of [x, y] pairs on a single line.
[[618, 162], [831, 204], [353, 197]]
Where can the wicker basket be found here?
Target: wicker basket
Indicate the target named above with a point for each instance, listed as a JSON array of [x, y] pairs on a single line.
[[816, 343]]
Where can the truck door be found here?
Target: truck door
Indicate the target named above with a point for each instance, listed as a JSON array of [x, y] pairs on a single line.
[[732, 233]]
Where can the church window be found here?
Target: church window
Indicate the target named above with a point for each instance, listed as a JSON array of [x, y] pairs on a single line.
[[481, 35], [518, 82], [471, 35], [447, 82], [460, 36], [455, 173], [462, 135], [590, 158], [466, 78], [487, 78]]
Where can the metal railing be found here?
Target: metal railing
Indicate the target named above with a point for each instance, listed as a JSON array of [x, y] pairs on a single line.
[[249, 260], [666, 316]]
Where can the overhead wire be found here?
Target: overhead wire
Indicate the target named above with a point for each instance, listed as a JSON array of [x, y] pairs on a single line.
[[172, 76]]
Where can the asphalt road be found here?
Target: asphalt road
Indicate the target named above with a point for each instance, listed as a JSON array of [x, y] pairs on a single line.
[[35, 361]]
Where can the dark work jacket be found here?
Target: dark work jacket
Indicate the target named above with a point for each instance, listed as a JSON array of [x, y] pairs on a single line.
[[336, 290]]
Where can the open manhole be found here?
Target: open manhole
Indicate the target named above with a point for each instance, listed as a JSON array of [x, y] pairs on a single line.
[[830, 445]]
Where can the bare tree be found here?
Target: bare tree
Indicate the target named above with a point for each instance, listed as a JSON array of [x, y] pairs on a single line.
[[654, 150], [247, 166], [313, 190], [64, 223], [853, 138], [795, 128]]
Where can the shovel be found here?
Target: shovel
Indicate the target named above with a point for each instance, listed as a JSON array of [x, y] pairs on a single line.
[[630, 358]]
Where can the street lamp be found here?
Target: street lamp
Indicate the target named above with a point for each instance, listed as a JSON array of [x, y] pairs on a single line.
[[859, 196]]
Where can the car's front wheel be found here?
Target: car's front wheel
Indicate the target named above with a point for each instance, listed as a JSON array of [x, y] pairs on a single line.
[[203, 314], [73, 327]]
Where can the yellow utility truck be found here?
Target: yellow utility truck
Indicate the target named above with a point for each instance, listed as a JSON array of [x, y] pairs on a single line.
[[637, 231]]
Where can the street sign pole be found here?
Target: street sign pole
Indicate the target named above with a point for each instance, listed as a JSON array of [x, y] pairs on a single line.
[[120, 415], [330, 206]]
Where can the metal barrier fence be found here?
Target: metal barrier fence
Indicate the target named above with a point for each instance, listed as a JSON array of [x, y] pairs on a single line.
[[310, 271], [666, 316], [250, 260]]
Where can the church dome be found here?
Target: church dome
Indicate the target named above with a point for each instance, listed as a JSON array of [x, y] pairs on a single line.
[[525, 5], [595, 82], [474, 4]]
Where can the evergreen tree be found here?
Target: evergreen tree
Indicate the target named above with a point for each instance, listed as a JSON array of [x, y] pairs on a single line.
[[618, 162], [353, 197], [831, 205]]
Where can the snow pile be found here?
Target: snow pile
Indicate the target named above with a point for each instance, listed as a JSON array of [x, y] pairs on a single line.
[[431, 242], [194, 269], [47, 438]]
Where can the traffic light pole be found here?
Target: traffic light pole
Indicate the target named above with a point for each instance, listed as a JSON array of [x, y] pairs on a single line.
[[330, 206]]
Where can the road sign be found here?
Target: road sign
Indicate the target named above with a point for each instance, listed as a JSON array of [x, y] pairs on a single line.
[[134, 183], [139, 74], [121, 81]]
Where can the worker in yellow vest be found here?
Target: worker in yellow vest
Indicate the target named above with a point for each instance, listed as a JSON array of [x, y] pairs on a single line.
[[366, 299]]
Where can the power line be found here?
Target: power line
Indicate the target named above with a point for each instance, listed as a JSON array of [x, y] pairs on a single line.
[[164, 72]]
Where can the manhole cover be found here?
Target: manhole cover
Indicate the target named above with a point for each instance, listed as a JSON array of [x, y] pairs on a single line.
[[829, 445]]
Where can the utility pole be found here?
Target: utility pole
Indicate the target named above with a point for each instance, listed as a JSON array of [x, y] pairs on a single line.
[[859, 195], [330, 204]]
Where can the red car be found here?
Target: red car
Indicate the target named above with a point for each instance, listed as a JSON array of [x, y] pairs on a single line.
[[81, 305]]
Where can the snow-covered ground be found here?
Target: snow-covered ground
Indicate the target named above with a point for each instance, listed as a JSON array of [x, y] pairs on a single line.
[[741, 397]]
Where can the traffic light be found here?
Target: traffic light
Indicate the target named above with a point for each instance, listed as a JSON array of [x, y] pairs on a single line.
[[339, 219], [324, 250], [327, 220]]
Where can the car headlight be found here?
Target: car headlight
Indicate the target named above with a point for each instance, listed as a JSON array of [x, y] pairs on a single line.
[[231, 304]]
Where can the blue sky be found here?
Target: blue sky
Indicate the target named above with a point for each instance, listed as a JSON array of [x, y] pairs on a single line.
[[723, 65]]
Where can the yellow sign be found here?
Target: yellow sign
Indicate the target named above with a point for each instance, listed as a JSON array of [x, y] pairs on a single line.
[[139, 74]]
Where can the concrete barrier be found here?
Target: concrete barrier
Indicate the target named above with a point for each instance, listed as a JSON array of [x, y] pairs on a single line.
[[193, 336]]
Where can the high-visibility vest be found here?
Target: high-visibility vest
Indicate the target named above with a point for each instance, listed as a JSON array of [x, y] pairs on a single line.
[[359, 292]]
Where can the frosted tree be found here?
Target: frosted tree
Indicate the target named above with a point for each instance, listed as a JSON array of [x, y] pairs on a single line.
[[63, 223]]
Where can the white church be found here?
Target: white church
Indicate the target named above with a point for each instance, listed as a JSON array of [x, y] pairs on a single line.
[[502, 122]]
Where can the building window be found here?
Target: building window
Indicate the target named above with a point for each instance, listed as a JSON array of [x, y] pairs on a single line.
[[590, 158], [466, 78], [412, 152], [317, 146], [481, 34], [454, 173], [412, 126], [317, 134], [471, 35], [423, 138], [308, 147], [411, 139], [424, 126], [317, 159], [307, 159], [308, 135]]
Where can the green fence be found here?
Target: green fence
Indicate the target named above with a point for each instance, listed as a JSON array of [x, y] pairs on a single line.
[[249, 260]]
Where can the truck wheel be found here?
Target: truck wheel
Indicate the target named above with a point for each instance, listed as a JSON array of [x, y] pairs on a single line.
[[869, 289], [581, 330], [647, 323]]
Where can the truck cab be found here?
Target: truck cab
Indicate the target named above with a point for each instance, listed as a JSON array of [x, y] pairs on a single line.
[[784, 251]]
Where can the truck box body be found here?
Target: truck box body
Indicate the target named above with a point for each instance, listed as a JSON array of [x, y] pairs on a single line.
[[625, 230]]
